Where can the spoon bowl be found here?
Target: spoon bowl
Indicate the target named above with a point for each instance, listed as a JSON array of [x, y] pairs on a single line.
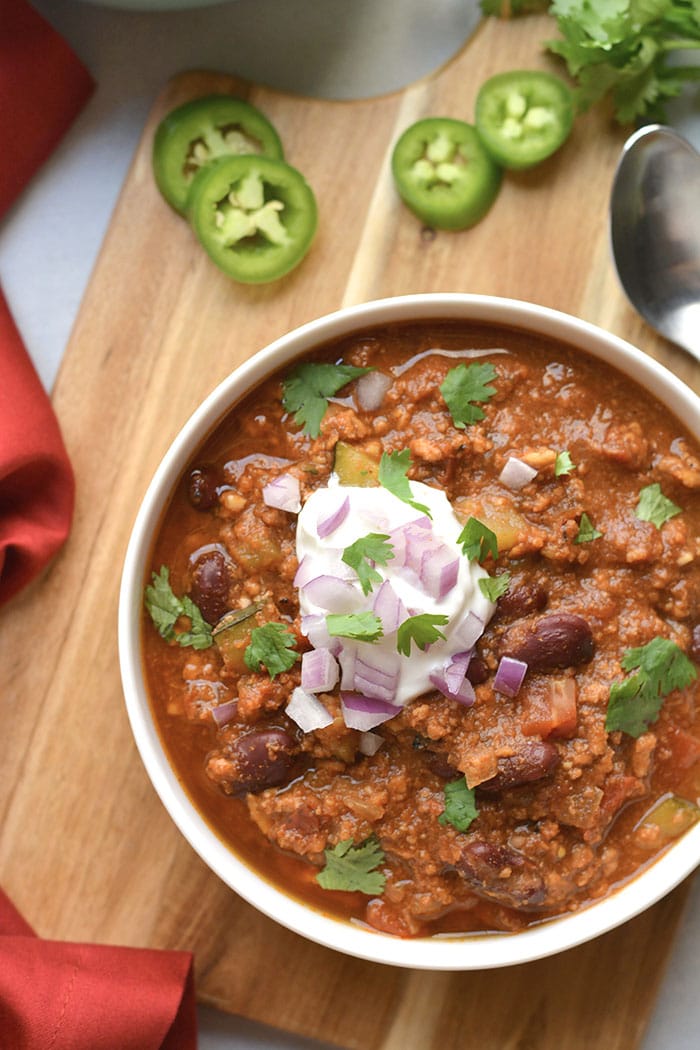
[[655, 232]]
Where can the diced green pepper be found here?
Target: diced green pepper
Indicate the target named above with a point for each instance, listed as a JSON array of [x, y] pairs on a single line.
[[355, 467], [232, 635]]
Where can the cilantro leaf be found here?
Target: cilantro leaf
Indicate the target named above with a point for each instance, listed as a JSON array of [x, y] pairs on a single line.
[[464, 385], [653, 506], [636, 702], [271, 646], [422, 630], [353, 868], [393, 468], [586, 530], [494, 587], [478, 541], [563, 464], [364, 554], [362, 626], [460, 805], [165, 609], [307, 388]]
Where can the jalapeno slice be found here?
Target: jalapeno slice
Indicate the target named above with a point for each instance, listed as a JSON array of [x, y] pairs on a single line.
[[254, 216], [523, 117], [198, 132], [444, 174]]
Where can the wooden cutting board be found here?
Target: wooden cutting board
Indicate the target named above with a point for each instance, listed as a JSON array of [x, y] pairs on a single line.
[[86, 849]]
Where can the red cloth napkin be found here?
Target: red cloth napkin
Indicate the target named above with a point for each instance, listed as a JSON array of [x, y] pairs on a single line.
[[54, 995], [88, 997], [43, 86]]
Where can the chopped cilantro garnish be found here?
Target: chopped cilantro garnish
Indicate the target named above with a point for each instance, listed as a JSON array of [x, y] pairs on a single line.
[[464, 385], [636, 702], [563, 464], [653, 506], [353, 868], [460, 806], [271, 646], [362, 626], [393, 468], [362, 555], [165, 609], [586, 530], [478, 541], [494, 587], [421, 629], [307, 388]]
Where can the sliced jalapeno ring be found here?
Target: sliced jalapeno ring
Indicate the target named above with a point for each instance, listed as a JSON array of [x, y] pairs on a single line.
[[254, 216], [198, 132], [444, 174], [523, 117]]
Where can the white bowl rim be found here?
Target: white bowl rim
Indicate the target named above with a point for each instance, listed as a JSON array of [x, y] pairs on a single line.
[[463, 952]]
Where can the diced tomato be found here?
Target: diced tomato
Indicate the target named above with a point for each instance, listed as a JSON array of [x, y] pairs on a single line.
[[554, 714]]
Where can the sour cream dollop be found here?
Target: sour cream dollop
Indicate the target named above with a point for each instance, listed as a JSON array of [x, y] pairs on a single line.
[[428, 573]]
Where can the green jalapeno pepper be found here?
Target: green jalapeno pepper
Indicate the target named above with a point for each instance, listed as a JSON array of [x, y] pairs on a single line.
[[523, 117], [444, 174], [254, 216], [194, 134]]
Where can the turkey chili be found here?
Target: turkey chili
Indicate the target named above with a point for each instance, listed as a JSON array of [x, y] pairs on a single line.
[[421, 630]]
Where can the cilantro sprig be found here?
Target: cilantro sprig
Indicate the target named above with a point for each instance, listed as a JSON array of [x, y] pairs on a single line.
[[478, 540], [421, 629], [354, 868], [636, 702], [463, 387], [366, 552], [306, 390], [460, 805], [586, 530], [165, 609], [362, 626], [393, 470], [563, 464], [653, 506], [272, 647], [627, 50], [494, 587]]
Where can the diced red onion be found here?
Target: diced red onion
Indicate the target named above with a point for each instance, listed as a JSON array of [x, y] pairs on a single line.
[[389, 608], [316, 630], [467, 633], [319, 670], [439, 571], [412, 533], [308, 570], [509, 676], [224, 713], [364, 713], [369, 743], [333, 594], [455, 671], [346, 659], [284, 493], [334, 520], [307, 711], [374, 679], [516, 474], [370, 390], [464, 695]]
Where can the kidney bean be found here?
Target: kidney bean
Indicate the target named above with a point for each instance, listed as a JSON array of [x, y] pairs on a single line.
[[210, 585], [559, 640], [262, 759], [695, 645], [523, 600], [535, 759], [202, 487], [437, 762], [500, 873], [477, 671]]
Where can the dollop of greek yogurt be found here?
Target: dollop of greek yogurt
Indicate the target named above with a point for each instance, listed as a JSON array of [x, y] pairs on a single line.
[[428, 573]]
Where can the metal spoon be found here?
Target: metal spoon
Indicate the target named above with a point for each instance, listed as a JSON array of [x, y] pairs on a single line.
[[655, 231]]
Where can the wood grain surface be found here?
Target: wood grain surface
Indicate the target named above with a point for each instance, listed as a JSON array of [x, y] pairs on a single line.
[[86, 849]]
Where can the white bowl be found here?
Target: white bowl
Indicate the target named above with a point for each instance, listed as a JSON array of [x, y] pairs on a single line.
[[464, 952]]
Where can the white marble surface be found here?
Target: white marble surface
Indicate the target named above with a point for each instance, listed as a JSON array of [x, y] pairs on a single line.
[[49, 241]]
